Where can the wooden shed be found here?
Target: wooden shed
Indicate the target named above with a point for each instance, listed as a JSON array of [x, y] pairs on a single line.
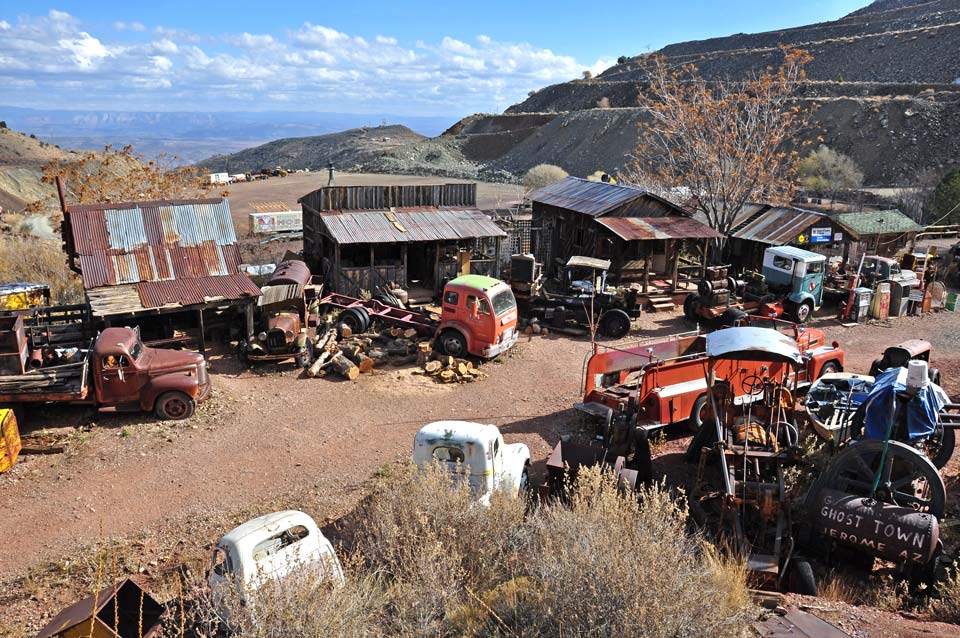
[[361, 238]]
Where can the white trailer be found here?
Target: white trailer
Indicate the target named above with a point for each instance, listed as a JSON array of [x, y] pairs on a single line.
[[219, 178]]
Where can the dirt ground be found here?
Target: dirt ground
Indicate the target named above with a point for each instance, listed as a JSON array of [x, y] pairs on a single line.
[[288, 189], [164, 492]]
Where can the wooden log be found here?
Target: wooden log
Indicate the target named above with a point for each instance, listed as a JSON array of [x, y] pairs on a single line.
[[404, 360], [448, 376], [395, 332], [365, 364], [433, 367], [351, 351], [345, 367], [344, 331], [322, 358], [445, 360], [377, 354], [410, 333]]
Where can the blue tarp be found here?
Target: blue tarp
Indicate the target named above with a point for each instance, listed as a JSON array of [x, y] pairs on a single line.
[[922, 410]]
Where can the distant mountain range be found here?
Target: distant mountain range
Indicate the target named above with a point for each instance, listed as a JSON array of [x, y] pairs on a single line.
[[193, 136]]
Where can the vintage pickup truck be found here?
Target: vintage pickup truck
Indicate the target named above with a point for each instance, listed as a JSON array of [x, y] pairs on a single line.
[[666, 376], [116, 372]]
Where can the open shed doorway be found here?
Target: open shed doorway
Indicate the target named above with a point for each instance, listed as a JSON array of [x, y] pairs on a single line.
[[421, 270]]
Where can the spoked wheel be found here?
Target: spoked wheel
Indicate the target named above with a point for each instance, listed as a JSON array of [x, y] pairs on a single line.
[[907, 477]]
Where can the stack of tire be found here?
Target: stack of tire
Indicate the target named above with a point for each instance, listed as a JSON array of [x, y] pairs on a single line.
[[717, 288]]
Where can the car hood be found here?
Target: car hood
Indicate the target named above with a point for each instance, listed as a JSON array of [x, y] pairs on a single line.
[[160, 360]]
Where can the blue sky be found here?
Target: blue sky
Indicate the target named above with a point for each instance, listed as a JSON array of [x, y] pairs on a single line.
[[411, 58]]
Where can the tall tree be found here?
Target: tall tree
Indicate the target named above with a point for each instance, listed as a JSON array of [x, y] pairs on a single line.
[[729, 143]]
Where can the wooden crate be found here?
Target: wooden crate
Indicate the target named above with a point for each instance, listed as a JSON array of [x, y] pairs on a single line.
[[9, 439]]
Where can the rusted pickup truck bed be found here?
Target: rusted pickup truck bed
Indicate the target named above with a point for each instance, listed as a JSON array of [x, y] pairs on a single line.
[[62, 383]]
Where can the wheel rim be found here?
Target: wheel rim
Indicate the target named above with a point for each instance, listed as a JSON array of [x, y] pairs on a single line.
[[803, 312], [454, 346], [175, 407], [908, 478]]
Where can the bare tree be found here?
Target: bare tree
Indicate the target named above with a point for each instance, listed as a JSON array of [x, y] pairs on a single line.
[[728, 142]]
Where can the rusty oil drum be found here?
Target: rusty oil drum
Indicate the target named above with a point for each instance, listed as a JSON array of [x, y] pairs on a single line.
[[890, 532]]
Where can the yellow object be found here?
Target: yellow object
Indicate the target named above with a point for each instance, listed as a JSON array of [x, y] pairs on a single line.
[[22, 296], [756, 433], [9, 439]]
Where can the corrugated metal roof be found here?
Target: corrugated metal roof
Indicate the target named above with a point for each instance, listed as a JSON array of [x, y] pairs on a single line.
[[280, 293], [587, 197], [408, 225], [776, 225], [189, 292], [878, 222], [644, 228], [153, 241]]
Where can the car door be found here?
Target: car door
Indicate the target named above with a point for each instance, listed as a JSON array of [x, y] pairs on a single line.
[[119, 380]]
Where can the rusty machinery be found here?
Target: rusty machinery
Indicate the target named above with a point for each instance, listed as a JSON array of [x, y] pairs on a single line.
[[754, 439]]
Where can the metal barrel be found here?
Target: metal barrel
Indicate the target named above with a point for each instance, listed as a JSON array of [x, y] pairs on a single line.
[[889, 532]]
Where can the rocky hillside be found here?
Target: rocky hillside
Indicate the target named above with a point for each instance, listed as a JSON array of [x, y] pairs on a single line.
[[346, 150], [21, 159]]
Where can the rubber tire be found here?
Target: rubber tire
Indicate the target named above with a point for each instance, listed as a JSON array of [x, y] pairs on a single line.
[[934, 375], [186, 408], [801, 579], [876, 367], [695, 422], [353, 320], [615, 323], [689, 306], [705, 437], [829, 368], [730, 317], [947, 445], [365, 317], [302, 358], [457, 339], [732, 286], [524, 486], [798, 316]]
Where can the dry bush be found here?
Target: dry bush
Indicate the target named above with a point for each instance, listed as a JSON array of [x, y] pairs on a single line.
[[608, 565], [543, 175], [947, 607], [433, 562], [35, 260]]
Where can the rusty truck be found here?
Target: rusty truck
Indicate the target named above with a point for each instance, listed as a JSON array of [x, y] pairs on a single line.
[[114, 371], [664, 377]]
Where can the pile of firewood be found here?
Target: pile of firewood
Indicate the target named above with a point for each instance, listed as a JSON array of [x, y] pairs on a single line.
[[348, 355], [445, 368]]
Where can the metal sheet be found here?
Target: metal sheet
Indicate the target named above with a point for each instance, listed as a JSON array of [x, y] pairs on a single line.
[[587, 197], [753, 344], [777, 225], [588, 262], [189, 292], [646, 228], [132, 602], [412, 225]]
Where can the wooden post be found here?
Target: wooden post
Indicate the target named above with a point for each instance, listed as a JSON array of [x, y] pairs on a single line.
[[248, 317], [203, 339], [496, 258], [406, 275], [646, 269], [706, 258], [676, 244]]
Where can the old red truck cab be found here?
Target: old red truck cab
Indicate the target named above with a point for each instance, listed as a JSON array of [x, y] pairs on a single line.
[[479, 317], [130, 375]]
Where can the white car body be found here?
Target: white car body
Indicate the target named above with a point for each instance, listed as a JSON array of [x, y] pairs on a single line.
[[477, 449], [269, 547]]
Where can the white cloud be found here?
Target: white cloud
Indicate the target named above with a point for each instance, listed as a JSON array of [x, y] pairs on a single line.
[[4, 25], [309, 65], [87, 50]]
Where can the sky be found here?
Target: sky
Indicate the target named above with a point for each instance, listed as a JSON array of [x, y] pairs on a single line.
[[401, 57]]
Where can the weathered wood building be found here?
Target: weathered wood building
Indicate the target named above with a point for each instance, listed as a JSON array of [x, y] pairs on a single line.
[[646, 237], [360, 238]]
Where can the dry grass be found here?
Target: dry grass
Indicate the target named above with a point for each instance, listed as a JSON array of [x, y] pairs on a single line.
[[947, 607], [36, 260], [431, 562]]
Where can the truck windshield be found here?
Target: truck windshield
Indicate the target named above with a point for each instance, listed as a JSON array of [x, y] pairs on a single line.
[[503, 301]]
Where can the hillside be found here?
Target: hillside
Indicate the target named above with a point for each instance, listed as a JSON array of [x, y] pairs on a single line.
[[21, 159], [347, 149]]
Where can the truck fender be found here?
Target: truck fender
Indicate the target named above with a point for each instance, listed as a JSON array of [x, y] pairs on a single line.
[[516, 458], [800, 297], [167, 383]]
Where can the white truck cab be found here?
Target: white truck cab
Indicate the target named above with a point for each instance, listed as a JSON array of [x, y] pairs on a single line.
[[269, 547], [464, 447]]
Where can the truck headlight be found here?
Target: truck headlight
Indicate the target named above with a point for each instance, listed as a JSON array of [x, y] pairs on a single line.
[[262, 336]]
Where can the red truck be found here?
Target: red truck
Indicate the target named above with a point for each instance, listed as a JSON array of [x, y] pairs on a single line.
[[478, 316], [667, 376], [116, 372]]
